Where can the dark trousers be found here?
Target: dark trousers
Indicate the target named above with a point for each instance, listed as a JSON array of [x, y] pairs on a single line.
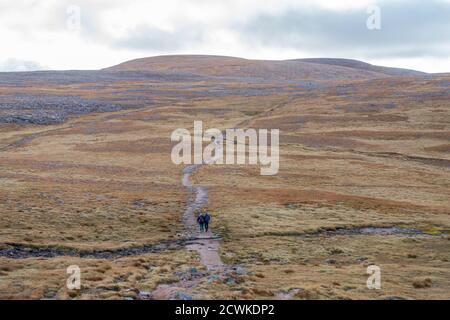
[[206, 226]]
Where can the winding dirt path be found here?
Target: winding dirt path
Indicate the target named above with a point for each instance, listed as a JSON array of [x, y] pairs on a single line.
[[206, 244]]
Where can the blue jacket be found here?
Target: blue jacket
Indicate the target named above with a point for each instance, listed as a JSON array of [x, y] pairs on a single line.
[[206, 218]]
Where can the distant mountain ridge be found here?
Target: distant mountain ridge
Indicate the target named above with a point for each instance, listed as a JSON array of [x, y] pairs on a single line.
[[296, 69], [356, 64]]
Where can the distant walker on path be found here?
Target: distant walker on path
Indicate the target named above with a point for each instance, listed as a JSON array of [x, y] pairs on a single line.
[[201, 222], [206, 219]]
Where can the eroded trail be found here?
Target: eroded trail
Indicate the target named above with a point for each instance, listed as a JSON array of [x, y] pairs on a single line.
[[206, 244]]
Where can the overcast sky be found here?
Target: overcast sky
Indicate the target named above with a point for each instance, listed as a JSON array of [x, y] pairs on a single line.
[[82, 34]]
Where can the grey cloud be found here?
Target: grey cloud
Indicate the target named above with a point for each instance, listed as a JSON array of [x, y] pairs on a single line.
[[145, 37], [409, 29], [141, 37], [14, 65]]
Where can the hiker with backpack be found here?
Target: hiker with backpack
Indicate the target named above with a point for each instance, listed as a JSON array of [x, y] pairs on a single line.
[[206, 219], [201, 222]]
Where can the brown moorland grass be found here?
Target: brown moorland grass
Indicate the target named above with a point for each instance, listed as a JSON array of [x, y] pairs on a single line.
[[105, 181]]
